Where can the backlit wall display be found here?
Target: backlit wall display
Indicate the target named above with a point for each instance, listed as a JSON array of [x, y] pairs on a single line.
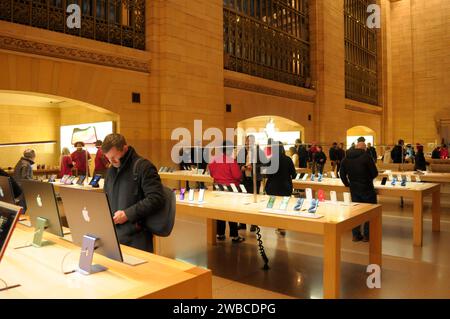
[[87, 133]]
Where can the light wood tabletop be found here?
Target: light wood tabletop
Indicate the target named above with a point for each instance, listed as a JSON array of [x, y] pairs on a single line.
[[426, 177], [337, 219], [189, 176], [412, 190], [40, 273]]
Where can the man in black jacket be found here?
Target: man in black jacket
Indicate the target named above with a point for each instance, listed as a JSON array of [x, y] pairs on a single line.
[[302, 153], [333, 154], [132, 198], [358, 171], [398, 153]]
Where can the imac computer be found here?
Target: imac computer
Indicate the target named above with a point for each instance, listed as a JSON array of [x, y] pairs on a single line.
[[92, 227], [42, 207]]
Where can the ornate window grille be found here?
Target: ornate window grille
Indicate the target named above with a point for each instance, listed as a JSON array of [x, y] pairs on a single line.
[[268, 39], [120, 22], [361, 75]]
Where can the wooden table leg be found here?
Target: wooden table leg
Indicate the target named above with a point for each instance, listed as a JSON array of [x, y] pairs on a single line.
[[156, 245], [375, 243], [211, 230], [418, 219], [331, 262], [436, 211]]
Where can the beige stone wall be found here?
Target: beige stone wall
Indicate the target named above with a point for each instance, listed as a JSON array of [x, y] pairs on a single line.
[[186, 41], [420, 34], [22, 124]]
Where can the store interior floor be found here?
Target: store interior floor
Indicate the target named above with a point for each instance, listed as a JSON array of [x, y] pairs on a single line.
[[296, 260]]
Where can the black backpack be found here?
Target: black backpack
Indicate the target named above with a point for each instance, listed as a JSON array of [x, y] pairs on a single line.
[[161, 222]]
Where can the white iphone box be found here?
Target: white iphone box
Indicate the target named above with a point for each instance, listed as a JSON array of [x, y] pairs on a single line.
[[191, 195], [308, 194], [333, 196]]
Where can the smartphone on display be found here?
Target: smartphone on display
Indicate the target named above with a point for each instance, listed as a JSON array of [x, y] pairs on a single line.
[[70, 180], [182, 191], [191, 195], [314, 205], [299, 204], [333, 196], [301, 175], [95, 180], [321, 195], [408, 178], [234, 188], [308, 192], [271, 202], [297, 177], [81, 179], [333, 175], [305, 177], [383, 181], [285, 202], [161, 169], [52, 179], [201, 195], [418, 178], [64, 179], [403, 183], [243, 189], [394, 181], [216, 187]]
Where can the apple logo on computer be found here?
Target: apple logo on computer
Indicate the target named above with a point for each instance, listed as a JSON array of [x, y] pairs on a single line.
[[85, 214], [1, 192], [39, 200]]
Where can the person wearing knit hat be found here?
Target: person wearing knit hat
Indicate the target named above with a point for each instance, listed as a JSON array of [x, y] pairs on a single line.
[[23, 168]]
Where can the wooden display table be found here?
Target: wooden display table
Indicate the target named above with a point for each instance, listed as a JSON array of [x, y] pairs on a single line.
[[187, 176], [414, 191], [426, 177], [40, 274], [337, 220]]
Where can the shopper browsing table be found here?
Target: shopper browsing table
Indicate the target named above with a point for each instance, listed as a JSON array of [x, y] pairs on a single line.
[[131, 200], [358, 171]]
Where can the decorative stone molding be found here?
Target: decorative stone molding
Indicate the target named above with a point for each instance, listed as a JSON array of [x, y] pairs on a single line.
[[242, 85], [73, 54], [362, 109]]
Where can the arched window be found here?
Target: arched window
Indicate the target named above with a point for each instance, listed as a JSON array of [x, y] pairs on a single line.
[[268, 38], [119, 22], [361, 74]]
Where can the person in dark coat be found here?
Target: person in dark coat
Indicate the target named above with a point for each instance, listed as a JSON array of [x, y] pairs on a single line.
[[358, 171], [279, 182], [398, 153], [340, 156], [302, 153], [246, 161], [372, 152], [420, 163], [333, 155], [23, 168], [320, 158], [131, 201], [436, 154]]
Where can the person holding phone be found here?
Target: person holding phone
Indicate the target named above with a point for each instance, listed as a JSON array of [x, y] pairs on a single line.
[[358, 171]]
